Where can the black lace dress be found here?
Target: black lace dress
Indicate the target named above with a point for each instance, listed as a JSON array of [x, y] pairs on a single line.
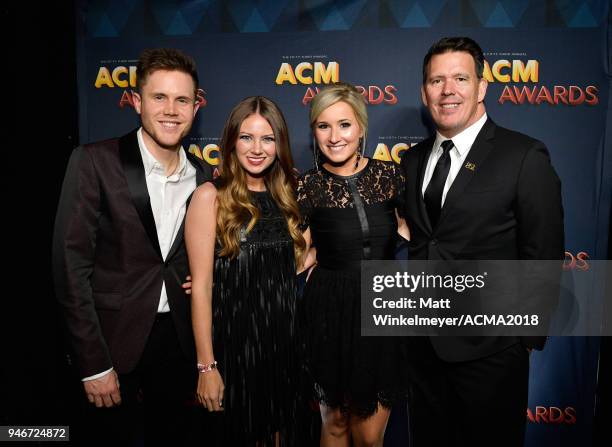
[[254, 300], [350, 218]]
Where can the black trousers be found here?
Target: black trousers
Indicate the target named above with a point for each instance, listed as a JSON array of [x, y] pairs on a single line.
[[158, 398], [481, 402]]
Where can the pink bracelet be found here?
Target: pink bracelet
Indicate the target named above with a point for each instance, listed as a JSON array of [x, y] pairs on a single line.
[[202, 368]]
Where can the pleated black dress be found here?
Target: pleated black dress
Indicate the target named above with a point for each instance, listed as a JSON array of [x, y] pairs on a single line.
[[351, 218], [254, 333]]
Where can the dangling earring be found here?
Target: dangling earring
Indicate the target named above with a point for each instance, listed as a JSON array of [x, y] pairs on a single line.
[[315, 153], [360, 152]]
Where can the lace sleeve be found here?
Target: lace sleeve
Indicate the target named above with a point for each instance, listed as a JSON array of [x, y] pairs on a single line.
[[399, 186], [304, 202]]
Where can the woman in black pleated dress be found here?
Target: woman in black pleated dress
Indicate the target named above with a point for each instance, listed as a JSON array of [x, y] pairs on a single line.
[[243, 240], [349, 204]]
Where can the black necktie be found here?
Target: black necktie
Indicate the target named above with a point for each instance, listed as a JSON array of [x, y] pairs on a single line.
[[433, 193]]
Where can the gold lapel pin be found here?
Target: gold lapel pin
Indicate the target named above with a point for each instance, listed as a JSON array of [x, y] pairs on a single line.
[[471, 166]]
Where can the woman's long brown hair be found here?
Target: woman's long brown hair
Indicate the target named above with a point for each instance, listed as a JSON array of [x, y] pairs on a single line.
[[235, 206]]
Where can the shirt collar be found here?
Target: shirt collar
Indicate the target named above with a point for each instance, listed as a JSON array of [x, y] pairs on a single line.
[[464, 140], [151, 164], [182, 163]]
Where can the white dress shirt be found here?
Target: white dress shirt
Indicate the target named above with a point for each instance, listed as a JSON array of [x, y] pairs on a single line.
[[169, 202], [462, 143]]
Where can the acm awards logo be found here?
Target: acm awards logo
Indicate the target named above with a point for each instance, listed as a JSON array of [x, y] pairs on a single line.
[[551, 415], [313, 74], [579, 261], [322, 73], [517, 71], [394, 153], [125, 78], [209, 153]]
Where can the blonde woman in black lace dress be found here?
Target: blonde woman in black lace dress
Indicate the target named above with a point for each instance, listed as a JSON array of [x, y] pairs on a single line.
[[348, 202]]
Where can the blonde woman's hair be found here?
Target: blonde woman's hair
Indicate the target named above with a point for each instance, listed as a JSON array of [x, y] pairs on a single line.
[[340, 91], [235, 206]]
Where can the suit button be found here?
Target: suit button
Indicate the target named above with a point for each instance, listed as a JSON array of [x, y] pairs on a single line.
[[433, 242]]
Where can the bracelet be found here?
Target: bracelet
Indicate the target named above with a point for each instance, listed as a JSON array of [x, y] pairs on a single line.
[[202, 368]]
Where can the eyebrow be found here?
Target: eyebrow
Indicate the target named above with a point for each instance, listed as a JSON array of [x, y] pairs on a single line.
[[341, 119], [191, 98], [453, 75], [244, 132]]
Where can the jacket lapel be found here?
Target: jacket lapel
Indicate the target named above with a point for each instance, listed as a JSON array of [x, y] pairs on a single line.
[[202, 175], [477, 155], [131, 161]]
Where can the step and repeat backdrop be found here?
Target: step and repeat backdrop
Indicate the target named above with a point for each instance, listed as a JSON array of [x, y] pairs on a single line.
[[548, 66]]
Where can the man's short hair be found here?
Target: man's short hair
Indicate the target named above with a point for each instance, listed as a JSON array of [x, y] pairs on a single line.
[[451, 44], [154, 59]]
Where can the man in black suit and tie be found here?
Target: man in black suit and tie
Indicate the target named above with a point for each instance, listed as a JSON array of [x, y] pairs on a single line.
[[119, 258], [475, 191]]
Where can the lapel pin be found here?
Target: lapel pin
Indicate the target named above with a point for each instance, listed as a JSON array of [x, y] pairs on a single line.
[[471, 166]]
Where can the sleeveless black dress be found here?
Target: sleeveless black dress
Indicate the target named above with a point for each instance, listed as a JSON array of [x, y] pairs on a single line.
[[254, 332], [351, 218]]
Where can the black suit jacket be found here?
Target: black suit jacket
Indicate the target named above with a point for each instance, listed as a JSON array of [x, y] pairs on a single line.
[[505, 203], [107, 263]]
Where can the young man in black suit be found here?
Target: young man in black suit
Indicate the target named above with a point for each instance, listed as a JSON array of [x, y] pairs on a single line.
[[119, 257], [475, 191]]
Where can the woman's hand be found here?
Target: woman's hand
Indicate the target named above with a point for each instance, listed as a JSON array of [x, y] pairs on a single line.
[[187, 285], [402, 227], [210, 390], [310, 260]]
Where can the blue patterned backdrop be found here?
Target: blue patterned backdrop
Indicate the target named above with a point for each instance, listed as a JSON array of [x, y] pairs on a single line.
[[549, 70]]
